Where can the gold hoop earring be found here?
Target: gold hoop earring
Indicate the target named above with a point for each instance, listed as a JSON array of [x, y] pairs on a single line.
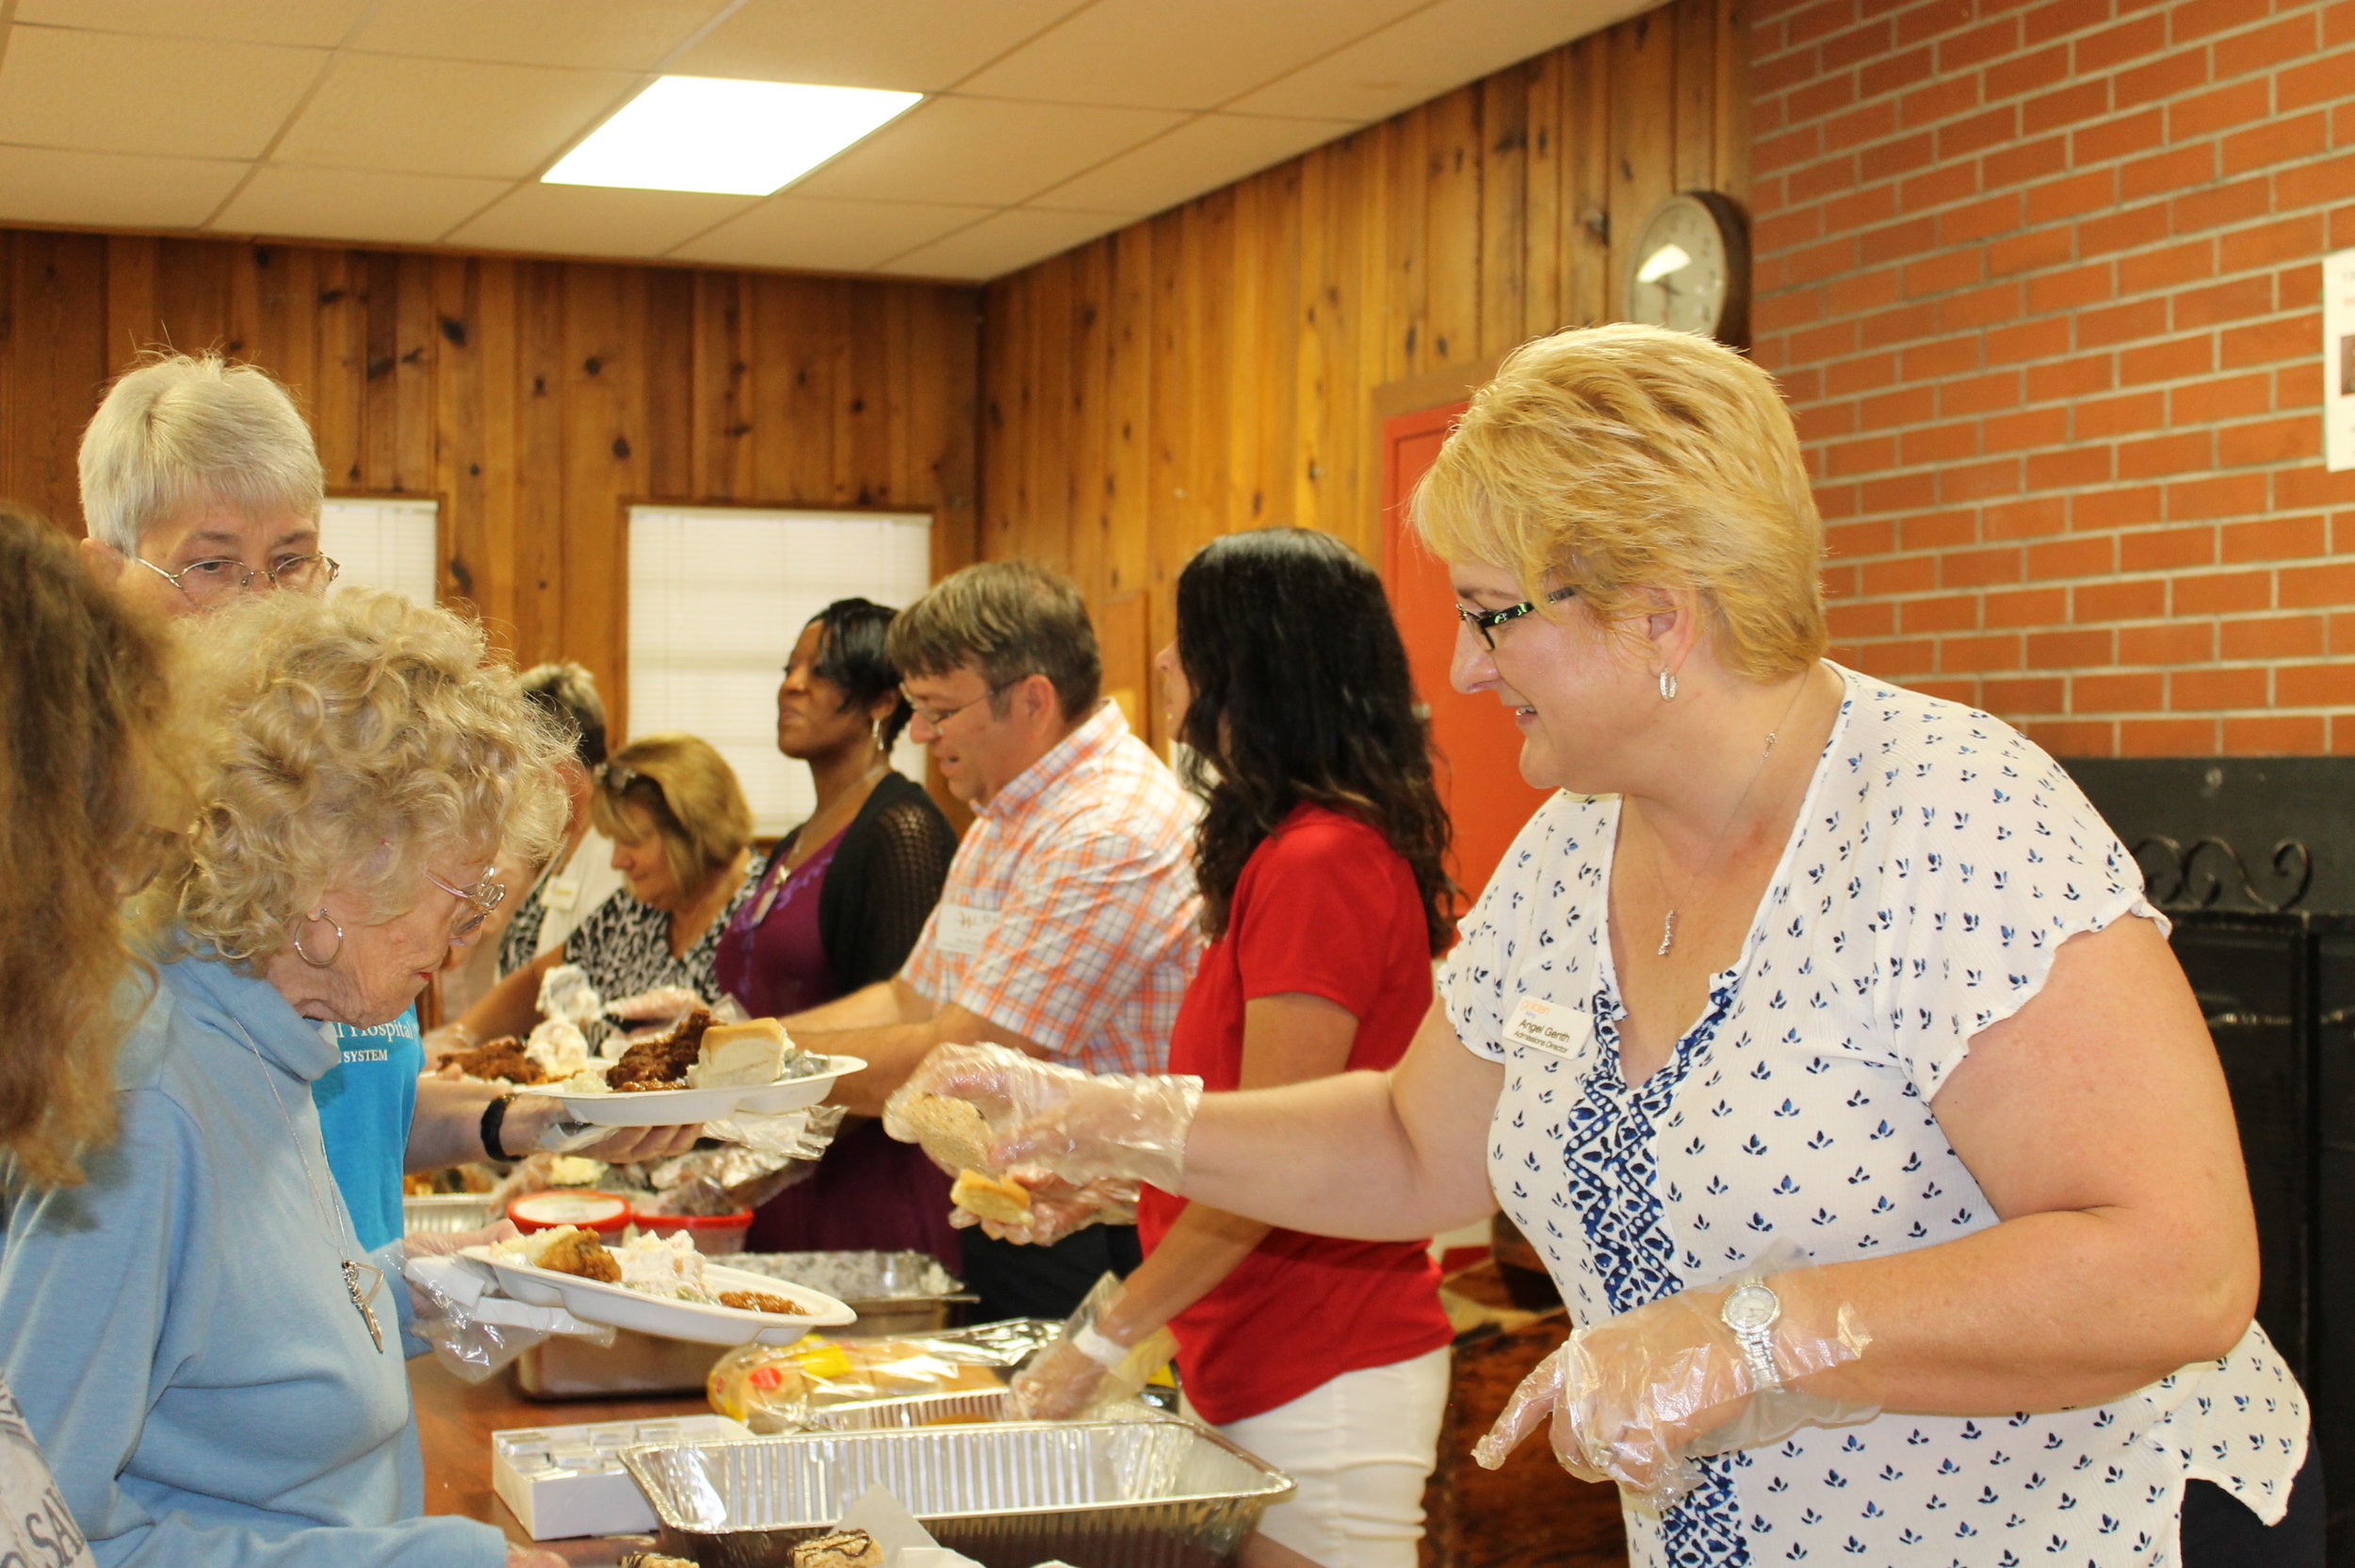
[[329, 962]]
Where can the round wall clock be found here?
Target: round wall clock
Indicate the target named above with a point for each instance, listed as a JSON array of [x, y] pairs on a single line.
[[1690, 268]]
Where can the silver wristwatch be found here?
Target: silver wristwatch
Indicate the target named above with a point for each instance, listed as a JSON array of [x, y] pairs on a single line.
[[1751, 1311]]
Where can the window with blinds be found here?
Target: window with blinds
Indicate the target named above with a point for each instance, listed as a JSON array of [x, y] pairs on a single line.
[[717, 597], [383, 543]]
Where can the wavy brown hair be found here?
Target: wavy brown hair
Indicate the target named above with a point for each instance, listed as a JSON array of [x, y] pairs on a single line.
[[1301, 693], [83, 706]]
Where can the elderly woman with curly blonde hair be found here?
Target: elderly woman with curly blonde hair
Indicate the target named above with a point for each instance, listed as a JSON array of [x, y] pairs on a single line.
[[208, 1359], [1817, 1032]]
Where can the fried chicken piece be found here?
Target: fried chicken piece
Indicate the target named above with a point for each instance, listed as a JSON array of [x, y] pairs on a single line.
[[758, 1300], [501, 1059], [662, 1062], [583, 1254]]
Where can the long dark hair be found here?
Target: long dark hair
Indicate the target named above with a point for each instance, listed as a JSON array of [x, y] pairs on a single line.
[[852, 653], [1301, 692]]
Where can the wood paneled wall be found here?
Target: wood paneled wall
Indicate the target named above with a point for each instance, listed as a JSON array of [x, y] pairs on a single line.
[[1216, 367], [534, 399]]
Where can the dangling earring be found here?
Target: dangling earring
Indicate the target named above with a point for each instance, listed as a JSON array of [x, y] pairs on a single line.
[[329, 962], [1668, 686], [874, 729]]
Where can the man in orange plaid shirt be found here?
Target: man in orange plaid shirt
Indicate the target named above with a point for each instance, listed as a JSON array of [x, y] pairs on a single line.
[[1068, 927]]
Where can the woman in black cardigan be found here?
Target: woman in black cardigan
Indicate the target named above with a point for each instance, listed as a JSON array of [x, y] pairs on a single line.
[[838, 907]]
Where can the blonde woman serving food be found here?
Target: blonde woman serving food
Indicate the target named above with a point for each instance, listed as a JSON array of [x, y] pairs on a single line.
[[1818, 1034]]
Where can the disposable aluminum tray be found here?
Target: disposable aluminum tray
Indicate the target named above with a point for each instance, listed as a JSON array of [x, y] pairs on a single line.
[[441, 1213], [966, 1407], [893, 1293], [1161, 1493]]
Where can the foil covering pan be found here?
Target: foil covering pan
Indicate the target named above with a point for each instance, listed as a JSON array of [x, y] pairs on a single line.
[[1153, 1493]]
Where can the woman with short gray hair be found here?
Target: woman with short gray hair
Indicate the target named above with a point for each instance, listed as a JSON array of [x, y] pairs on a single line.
[[209, 1359]]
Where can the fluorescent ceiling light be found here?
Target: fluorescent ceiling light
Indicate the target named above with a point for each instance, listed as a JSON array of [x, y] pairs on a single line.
[[714, 134]]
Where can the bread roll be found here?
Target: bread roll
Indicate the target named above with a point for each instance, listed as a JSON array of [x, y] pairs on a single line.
[[951, 1131], [1008, 1202]]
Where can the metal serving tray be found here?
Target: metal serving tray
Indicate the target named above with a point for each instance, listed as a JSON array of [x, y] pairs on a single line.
[[893, 1293], [965, 1407], [1159, 1494], [442, 1213]]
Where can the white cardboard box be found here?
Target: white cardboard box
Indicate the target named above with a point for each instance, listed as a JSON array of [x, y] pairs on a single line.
[[569, 1480]]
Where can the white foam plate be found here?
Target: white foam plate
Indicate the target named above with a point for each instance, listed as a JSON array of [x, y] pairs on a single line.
[[595, 1302], [677, 1108]]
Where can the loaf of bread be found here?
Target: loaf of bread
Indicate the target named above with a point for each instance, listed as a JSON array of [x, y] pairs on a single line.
[[976, 1192]]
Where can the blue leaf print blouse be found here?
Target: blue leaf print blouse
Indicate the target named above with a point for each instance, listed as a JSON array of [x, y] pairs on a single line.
[[1938, 862]]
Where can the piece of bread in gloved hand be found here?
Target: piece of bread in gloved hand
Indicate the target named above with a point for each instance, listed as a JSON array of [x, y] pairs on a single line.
[[977, 1193], [950, 1130]]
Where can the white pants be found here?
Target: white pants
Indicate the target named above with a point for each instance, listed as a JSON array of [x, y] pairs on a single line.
[[1359, 1447]]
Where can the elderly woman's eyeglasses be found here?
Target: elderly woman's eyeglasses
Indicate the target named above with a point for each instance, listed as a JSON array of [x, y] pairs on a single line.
[[486, 895], [219, 579], [1487, 622]]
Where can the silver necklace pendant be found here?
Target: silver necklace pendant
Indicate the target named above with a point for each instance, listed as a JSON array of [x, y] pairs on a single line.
[[368, 1314], [1667, 934]]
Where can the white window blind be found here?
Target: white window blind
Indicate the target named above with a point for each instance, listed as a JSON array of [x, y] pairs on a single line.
[[390, 544], [717, 597]]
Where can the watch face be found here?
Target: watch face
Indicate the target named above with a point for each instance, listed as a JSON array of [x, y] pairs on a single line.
[[1680, 273], [1750, 1308]]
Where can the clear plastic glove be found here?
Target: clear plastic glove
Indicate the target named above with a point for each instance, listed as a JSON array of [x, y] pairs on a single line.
[[538, 1121], [1058, 1209], [444, 1244], [1083, 1371], [1054, 1119], [1638, 1399]]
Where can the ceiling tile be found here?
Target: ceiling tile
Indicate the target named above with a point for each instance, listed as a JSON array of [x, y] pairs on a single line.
[[1155, 55], [911, 45], [1434, 51], [337, 204], [999, 245], [593, 220], [592, 34], [447, 117], [110, 189], [115, 93], [319, 22], [1202, 155], [793, 230], [982, 150]]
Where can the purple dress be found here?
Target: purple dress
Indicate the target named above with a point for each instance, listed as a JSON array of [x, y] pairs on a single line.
[[870, 1192]]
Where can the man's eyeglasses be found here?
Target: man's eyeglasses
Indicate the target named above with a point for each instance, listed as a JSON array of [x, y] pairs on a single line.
[[487, 895], [935, 717], [217, 579], [1487, 622]]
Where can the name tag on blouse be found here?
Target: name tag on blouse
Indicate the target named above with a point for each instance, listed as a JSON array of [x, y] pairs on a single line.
[[963, 928], [1545, 1026], [560, 894]]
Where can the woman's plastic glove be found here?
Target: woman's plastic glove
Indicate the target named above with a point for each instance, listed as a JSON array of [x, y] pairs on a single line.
[[447, 1244], [1057, 1209], [1639, 1397], [1050, 1119], [1057, 1386], [1084, 1370]]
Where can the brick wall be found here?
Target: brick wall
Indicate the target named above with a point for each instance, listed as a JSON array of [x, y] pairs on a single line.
[[2043, 281]]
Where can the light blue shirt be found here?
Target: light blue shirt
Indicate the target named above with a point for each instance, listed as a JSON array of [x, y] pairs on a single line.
[[365, 1102], [177, 1329]]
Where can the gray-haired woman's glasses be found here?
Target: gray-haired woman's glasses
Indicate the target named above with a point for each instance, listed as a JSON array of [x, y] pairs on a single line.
[[1487, 622], [486, 895], [217, 579]]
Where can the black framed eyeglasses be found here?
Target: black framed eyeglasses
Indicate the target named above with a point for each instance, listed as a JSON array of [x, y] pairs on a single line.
[[1487, 622], [935, 717], [219, 579], [486, 895]]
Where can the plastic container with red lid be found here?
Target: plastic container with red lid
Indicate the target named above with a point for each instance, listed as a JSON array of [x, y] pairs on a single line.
[[716, 1233], [601, 1212]]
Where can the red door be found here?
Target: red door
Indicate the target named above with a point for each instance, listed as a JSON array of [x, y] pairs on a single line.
[[1480, 776]]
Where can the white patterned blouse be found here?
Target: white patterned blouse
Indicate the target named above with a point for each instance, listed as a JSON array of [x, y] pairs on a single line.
[[1939, 861]]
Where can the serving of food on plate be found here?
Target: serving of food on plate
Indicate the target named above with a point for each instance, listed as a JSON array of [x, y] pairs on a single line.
[[658, 1285], [699, 1069]]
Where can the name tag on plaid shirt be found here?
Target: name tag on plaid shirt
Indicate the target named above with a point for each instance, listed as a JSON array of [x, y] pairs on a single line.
[[963, 928]]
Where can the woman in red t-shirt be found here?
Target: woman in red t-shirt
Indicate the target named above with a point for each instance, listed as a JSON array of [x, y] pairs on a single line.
[[1319, 858]]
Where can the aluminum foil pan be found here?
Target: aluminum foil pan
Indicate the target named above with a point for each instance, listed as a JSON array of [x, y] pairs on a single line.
[[1157, 1494], [442, 1213], [966, 1407], [893, 1293]]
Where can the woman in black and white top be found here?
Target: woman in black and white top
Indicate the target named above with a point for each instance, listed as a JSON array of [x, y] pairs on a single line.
[[682, 836]]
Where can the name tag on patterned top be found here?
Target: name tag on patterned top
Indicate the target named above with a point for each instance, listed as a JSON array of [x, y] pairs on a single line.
[[1545, 1026], [963, 928], [560, 894]]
